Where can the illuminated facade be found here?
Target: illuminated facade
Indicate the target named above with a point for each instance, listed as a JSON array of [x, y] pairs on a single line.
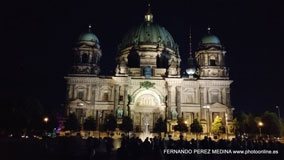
[[147, 83]]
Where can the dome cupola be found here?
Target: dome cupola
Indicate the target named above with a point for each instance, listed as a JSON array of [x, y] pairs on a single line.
[[210, 40], [88, 36], [148, 45], [87, 54]]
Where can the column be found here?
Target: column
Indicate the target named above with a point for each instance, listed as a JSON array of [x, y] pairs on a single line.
[[169, 115], [228, 97], [97, 116], [178, 100], [125, 96], [70, 91], [194, 115], [93, 94], [210, 120], [202, 110], [206, 97], [219, 60], [88, 92], [73, 91], [223, 93], [196, 96], [116, 98], [206, 60]]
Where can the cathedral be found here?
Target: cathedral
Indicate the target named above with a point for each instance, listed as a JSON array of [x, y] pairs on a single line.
[[148, 83]]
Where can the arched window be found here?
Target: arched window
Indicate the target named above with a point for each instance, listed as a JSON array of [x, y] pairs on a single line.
[[212, 61], [214, 96], [94, 59], [85, 58], [133, 59], [163, 60], [77, 59], [105, 96], [158, 61], [80, 95]]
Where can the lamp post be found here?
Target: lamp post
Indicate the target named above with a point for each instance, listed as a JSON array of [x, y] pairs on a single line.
[[279, 118], [278, 112], [45, 120], [185, 122], [260, 124], [100, 116]]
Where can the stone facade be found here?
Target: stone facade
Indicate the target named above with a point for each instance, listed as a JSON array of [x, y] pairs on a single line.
[[148, 84]]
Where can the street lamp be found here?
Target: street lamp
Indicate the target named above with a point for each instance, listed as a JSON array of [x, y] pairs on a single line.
[[100, 116], [260, 124], [45, 120], [278, 108]]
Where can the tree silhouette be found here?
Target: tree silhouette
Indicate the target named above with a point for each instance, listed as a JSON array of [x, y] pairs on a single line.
[[181, 126], [160, 126], [72, 123], [89, 124], [110, 123], [127, 124], [196, 127], [271, 124]]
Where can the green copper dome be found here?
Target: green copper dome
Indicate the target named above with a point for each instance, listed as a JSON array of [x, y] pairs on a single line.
[[89, 36], [148, 33], [210, 39]]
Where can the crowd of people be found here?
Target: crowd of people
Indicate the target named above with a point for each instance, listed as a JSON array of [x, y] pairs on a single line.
[[130, 148], [155, 148]]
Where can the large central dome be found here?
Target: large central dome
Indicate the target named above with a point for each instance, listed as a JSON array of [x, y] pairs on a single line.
[[148, 50], [148, 33]]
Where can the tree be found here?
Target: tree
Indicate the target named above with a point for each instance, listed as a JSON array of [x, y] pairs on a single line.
[[251, 124], [241, 125], [20, 115], [110, 123], [181, 126], [217, 126], [72, 123], [271, 124], [160, 126], [246, 123], [127, 124], [196, 127], [89, 124]]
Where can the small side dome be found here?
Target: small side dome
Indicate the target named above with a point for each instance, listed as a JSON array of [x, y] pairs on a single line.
[[89, 36], [210, 39]]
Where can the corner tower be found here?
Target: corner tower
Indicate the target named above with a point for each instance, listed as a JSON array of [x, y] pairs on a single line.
[[210, 57], [87, 54]]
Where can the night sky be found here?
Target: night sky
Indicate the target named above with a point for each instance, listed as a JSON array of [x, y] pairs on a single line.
[[38, 39]]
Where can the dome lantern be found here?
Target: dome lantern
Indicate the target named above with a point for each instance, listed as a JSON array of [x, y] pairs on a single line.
[[149, 16], [210, 38], [88, 36]]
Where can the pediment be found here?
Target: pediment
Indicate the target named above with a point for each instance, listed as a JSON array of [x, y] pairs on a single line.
[[218, 105], [79, 102]]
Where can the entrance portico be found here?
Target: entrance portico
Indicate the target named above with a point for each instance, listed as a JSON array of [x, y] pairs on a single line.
[[147, 107]]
